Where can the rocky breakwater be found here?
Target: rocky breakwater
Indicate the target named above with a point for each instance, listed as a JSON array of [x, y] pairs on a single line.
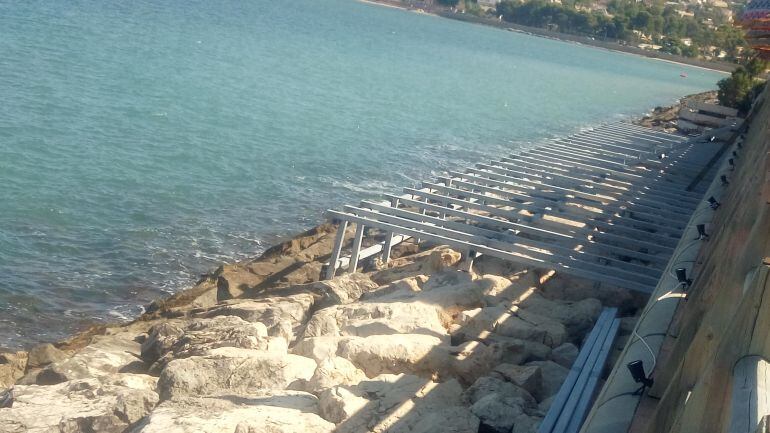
[[262, 346]]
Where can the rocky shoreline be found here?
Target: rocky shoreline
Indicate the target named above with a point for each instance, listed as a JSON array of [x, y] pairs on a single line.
[[416, 345]]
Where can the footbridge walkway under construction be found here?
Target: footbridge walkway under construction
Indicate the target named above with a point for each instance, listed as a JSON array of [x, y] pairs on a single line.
[[607, 204]]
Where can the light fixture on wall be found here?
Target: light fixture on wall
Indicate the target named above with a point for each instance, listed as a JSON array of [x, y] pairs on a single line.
[[732, 163], [636, 368], [681, 276], [714, 203], [724, 180], [702, 232]]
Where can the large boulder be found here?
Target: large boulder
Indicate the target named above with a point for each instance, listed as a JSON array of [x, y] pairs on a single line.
[[513, 323], [318, 348], [104, 404], [160, 338], [343, 289], [202, 335], [283, 315], [256, 412], [12, 367], [398, 403], [229, 369], [44, 354], [528, 377], [565, 355], [105, 355], [401, 353], [331, 372], [450, 291], [577, 317], [492, 385], [497, 413], [368, 318], [554, 376]]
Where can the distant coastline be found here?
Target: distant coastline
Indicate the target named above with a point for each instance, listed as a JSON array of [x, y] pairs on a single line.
[[724, 67]]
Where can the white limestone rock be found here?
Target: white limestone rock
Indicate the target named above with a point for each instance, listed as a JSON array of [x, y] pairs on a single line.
[[257, 412], [402, 353], [369, 318], [235, 370], [108, 403], [106, 355], [282, 315]]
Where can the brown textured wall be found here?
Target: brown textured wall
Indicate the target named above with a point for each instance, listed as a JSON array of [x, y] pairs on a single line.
[[726, 315]]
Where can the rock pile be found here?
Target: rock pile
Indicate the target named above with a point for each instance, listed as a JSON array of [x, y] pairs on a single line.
[[416, 347]]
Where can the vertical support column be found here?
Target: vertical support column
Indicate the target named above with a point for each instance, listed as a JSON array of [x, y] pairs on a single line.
[[359, 236], [467, 263], [336, 250], [389, 236]]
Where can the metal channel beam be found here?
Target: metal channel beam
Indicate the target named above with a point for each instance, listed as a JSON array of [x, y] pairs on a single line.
[[507, 238], [536, 233], [603, 276], [631, 238], [563, 206], [621, 226]]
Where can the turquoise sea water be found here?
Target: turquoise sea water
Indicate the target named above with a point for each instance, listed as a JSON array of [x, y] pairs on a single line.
[[143, 143]]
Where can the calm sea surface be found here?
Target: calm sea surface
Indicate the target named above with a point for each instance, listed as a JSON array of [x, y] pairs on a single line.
[[143, 143]]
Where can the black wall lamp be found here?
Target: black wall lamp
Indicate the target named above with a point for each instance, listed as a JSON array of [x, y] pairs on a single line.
[[714, 203], [637, 372]]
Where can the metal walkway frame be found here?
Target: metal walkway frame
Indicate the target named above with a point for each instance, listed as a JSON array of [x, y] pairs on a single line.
[[603, 204]]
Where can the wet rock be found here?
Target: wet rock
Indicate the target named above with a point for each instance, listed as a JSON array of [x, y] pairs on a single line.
[[229, 369], [104, 404], [403, 353], [565, 355], [369, 318], [104, 356], [256, 412], [553, 376], [530, 378], [12, 367], [44, 354]]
